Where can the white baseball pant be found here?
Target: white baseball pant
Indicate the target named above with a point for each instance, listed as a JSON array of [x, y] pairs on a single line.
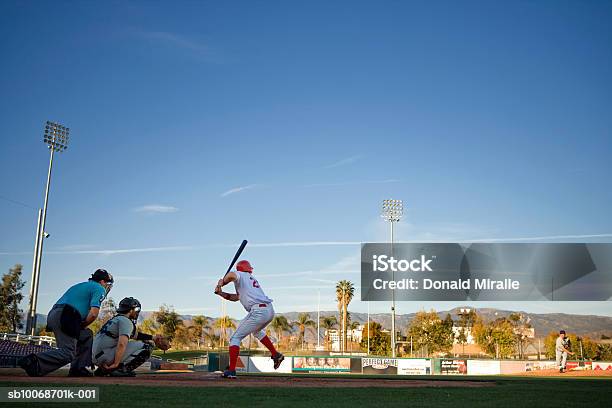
[[255, 322], [561, 357]]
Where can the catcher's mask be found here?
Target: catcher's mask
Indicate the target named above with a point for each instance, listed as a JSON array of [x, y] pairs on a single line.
[[103, 275], [127, 305]]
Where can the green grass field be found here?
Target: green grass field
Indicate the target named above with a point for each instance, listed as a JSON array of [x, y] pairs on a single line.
[[508, 392]]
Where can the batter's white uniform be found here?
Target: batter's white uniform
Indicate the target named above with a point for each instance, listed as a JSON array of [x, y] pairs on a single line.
[[256, 303]]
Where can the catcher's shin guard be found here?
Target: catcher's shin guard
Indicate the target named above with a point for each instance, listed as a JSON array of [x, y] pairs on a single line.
[[139, 358]]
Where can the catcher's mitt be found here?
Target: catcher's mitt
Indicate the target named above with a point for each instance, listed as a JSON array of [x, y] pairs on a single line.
[[161, 342]]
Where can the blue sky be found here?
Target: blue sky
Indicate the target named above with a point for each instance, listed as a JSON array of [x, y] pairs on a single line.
[[198, 124]]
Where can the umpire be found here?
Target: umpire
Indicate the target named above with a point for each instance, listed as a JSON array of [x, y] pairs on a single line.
[[113, 352], [68, 319]]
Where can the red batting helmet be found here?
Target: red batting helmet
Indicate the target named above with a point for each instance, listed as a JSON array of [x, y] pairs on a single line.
[[244, 266]]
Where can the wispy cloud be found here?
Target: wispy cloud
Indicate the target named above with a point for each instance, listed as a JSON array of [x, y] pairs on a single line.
[[348, 264], [155, 209], [176, 40], [296, 287], [542, 238], [304, 244], [329, 281], [283, 274], [343, 162], [77, 247], [120, 251], [238, 190], [353, 183], [137, 278], [180, 248]]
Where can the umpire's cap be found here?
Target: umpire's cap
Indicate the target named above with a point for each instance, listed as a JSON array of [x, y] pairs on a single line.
[[101, 275], [128, 304]]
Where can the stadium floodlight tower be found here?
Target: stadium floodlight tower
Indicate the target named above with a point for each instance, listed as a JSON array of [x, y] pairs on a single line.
[[56, 138], [392, 211]]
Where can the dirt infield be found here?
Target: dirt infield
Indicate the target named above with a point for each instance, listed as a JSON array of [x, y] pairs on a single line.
[[572, 373], [205, 379], [201, 379]]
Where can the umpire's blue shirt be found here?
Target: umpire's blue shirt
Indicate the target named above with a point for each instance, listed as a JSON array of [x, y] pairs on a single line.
[[83, 296]]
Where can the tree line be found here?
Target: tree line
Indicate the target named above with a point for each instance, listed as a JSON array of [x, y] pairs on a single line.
[[10, 298]]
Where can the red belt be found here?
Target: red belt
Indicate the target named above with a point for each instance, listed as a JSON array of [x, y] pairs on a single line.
[[263, 305]]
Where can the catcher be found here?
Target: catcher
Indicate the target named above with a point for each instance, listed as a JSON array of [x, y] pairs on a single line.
[[113, 351]]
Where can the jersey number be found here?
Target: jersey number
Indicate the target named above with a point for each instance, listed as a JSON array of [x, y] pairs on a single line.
[[255, 283]]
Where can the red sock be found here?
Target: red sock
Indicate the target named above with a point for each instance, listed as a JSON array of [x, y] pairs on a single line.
[[234, 351], [268, 343]]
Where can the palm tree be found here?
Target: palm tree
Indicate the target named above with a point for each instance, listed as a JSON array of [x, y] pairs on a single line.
[[211, 339], [303, 321], [223, 323], [353, 326], [200, 323], [328, 323], [280, 324], [344, 294]]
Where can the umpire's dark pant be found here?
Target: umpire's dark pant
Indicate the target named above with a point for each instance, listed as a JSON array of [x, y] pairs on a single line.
[[77, 352]]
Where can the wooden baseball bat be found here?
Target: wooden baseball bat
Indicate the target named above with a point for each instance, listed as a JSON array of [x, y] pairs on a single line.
[[238, 253]]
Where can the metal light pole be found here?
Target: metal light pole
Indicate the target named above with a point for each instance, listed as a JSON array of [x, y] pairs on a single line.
[[342, 340], [368, 328], [56, 138], [319, 321], [392, 211]]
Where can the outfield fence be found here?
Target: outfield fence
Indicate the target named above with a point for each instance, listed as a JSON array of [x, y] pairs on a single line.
[[374, 365]]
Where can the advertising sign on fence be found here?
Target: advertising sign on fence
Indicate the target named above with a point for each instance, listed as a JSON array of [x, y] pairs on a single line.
[[322, 364], [414, 366], [453, 366], [602, 366], [540, 365], [379, 365], [242, 364], [512, 366], [579, 365], [483, 367], [261, 364]]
